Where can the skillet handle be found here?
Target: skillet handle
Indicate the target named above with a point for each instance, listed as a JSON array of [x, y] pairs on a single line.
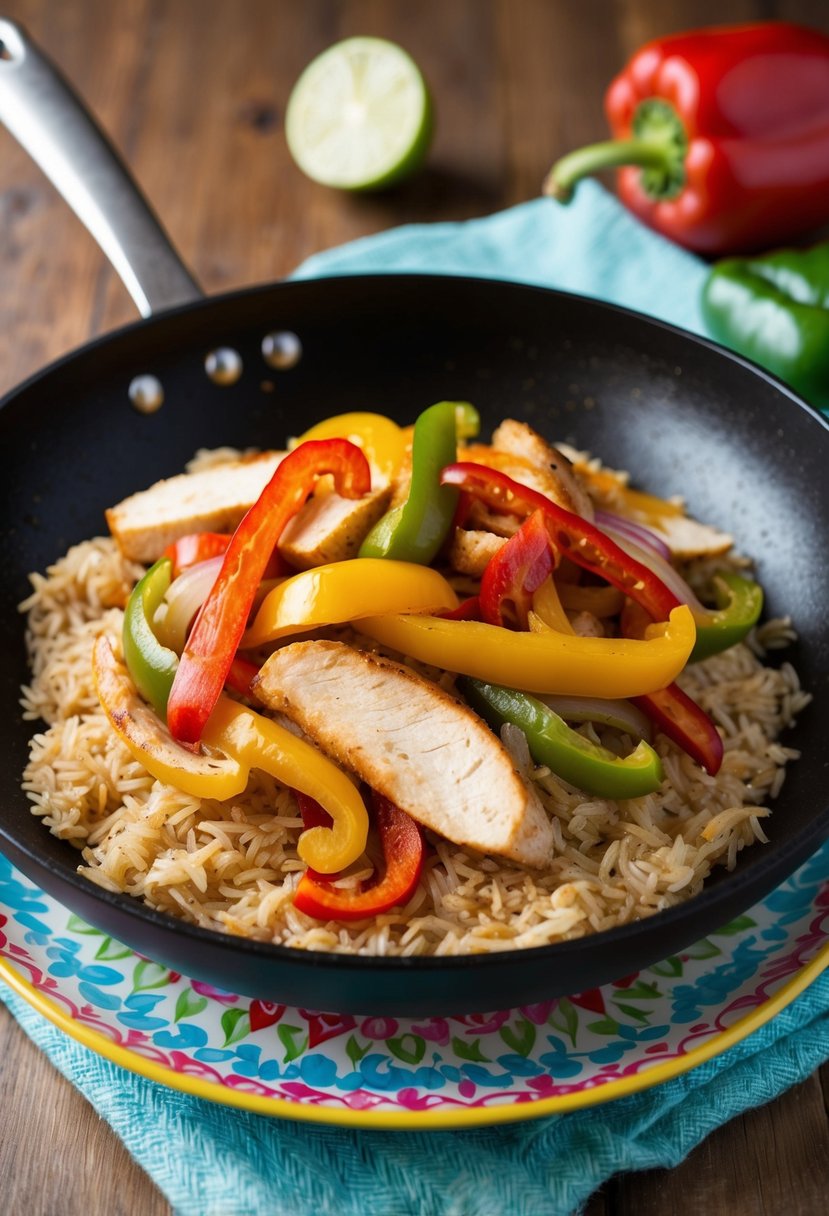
[[52, 124]]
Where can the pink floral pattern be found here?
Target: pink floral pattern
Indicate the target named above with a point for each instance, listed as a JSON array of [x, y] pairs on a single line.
[[345, 1064]]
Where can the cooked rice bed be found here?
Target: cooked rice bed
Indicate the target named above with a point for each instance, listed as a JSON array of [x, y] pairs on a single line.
[[234, 866]]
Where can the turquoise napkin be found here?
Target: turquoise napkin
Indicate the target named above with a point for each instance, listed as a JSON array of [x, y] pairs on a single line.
[[210, 1159]]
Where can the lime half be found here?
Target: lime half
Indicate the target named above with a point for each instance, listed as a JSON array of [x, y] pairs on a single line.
[[359, 117]]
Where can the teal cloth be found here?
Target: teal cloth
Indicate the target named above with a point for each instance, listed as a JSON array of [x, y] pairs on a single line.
[[215, 1161]]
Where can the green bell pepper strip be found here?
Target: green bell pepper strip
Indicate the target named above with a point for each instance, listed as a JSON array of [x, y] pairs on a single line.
[[739, 604], [415, 531], [591, 768], [775, 310], [151, 665]]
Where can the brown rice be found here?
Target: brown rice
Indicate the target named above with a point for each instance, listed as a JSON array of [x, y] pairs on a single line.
[[233, 866]]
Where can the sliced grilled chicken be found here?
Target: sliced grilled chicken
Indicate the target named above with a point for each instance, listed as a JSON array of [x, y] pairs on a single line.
[[687, 538], [471, 550], [330, 528], [411, 741], [555, 474], [211, 500]]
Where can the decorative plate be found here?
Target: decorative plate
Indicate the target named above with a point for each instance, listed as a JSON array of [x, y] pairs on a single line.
[[416, 1073]]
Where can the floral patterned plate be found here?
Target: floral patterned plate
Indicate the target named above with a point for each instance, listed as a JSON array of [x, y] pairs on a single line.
[[415, 1073]]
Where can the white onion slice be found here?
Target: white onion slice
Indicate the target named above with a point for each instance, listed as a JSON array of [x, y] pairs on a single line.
[[638, 533], [619, 713], [184, 597]]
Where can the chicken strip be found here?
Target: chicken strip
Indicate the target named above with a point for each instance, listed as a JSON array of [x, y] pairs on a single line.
[[330, 528], [555, 474], [413, 742], [214, 499]]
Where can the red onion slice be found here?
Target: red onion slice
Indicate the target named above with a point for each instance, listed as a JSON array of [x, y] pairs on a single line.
[[640, 535]]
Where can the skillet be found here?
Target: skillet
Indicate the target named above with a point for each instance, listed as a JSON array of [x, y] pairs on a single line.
[[682, 414]]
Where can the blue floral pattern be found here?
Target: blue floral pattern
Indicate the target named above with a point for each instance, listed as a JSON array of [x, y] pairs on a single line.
[[560, 1046]]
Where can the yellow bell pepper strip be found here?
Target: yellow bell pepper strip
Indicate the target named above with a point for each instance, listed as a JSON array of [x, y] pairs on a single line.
[[243, 740], [415, 530], [552, 662], [404, 852], [382, 441], [218, 628], [259, 742], [345, 591], [149, 741], [151, 665], [574, 537], [739, 604], [571, 756], [515, 573]]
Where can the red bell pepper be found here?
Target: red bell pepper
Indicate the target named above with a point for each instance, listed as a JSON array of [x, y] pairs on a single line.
[[201, 546], [672, 711], [467, 610], [515, 573], [194, 548], [218, 628], [239, 676], [403, 854], [574, 537], [722, 136], [680, 718]]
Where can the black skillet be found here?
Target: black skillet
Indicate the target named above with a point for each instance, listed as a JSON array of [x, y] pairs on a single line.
[[680, 413]]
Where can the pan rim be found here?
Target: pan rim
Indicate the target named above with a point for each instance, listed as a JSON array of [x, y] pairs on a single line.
[[759, 877]]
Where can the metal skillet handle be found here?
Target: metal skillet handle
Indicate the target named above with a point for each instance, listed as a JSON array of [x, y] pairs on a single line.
[[52, 124]]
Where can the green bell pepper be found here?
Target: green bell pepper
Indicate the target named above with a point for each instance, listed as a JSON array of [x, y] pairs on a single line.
[[415, 531], [739, 604], [775, 310], [151, 665], [591, 768]]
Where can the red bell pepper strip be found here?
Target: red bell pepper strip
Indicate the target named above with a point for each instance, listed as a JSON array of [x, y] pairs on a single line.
[[574, 537], [239, 676], [403, 853], [200, 546], [680, 718], [723, 135], [196, 547], [218, 628], [467, 610], [515, 572], [672, 711]]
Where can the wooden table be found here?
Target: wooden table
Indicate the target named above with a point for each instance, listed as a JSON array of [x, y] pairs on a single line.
[[193, 92]]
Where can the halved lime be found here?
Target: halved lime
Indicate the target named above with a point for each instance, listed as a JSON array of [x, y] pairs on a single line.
[[359, 117]]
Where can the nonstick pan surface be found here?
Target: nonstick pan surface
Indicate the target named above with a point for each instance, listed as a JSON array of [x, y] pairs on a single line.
[[682, 415]]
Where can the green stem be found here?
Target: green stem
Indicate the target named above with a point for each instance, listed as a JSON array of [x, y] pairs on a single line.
[[646, 153]]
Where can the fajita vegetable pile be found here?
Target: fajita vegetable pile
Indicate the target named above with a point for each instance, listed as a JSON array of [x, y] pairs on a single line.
[[431, 695]]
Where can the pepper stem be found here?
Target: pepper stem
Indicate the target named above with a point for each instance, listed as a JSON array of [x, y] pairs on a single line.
[[561, 180], [658, 146]]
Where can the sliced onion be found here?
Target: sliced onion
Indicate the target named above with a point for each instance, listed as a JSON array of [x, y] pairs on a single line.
[[608, 521], [658, 566], [184, 597], [619, 713]]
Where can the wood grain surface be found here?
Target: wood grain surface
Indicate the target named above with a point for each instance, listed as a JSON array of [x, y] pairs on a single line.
[[194, 92]]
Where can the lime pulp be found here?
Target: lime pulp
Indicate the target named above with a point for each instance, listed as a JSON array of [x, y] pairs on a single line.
[[360, 116]]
